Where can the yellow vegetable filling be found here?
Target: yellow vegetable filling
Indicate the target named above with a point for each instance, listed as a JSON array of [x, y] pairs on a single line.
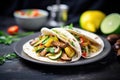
[[53, 48]]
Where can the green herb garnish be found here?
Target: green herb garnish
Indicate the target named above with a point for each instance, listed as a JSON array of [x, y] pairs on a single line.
[[70, 26], [2, 60], [8, 39], [72, 43], [51, 49], [9, 56]]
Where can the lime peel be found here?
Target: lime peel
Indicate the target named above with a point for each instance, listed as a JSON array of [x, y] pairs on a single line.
[[111, 24]]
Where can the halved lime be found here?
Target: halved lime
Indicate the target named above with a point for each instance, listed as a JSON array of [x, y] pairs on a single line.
[[111, 24]]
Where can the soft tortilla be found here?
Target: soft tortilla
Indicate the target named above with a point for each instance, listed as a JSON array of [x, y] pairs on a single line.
[[28, 49], [95, 39], [65, 36]]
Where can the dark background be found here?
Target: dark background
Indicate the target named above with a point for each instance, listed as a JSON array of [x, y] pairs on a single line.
[[76, 7], [20, 69]]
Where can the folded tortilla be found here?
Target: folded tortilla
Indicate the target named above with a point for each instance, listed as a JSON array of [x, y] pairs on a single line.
[[63, 35], [94, 41]]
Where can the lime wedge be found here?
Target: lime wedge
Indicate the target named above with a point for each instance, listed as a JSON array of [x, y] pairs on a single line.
[[111, 24]]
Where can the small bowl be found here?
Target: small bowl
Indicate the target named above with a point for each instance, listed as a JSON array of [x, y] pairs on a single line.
[[31, 19]]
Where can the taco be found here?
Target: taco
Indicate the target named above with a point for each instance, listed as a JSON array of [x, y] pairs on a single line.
[[91, 44], [53, 45]]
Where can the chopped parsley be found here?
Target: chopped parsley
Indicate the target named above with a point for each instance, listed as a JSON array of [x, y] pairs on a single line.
[[51, 49], [9, 56], [72, 43]]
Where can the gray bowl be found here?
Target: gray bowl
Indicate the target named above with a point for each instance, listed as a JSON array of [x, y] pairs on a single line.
[[31, 23]]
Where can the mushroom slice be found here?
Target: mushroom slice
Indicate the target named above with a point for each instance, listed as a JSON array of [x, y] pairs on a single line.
[[65, 57], [60, 44], [43, 52], [57, 49], [33, 41]]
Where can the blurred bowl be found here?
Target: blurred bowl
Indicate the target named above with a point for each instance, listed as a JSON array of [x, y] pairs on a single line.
[[31, 19]]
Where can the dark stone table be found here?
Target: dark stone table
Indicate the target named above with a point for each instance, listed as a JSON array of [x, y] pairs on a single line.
[[19, 69]]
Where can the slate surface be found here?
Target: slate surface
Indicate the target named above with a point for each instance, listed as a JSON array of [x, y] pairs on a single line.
[[19, 69]]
